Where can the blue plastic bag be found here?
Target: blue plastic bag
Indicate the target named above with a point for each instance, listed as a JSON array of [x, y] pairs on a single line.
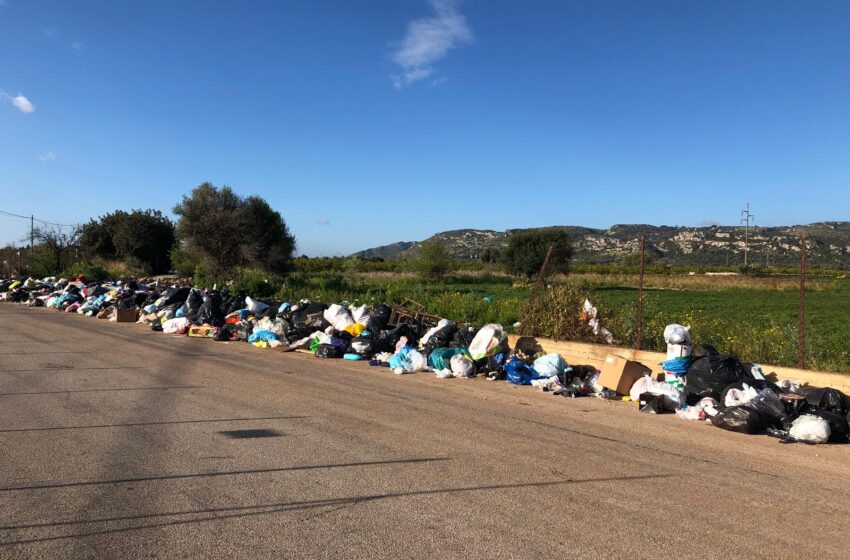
[[262, 336], [520, 373]]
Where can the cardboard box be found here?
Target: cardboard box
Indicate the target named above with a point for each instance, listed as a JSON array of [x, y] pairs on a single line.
[[126, 315], [203, 332], [619, 374]]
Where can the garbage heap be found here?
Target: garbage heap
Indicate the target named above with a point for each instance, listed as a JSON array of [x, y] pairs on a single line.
[[698, 383]]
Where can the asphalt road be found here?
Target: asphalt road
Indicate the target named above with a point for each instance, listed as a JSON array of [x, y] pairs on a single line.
[[113, 444]]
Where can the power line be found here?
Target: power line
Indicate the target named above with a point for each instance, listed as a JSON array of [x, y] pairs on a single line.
[[36, 219]]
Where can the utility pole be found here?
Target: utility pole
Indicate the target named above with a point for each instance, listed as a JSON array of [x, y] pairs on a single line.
[[746, 218], [32, 240]]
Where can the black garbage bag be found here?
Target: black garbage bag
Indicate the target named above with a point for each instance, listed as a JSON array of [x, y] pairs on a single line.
[[328, 351], [225, 333], [156, 325], [826, 398], [463, 337], [234, 303], [441, 338], [270, 311], [379, 318], [758, 384], [704, 350], [838, 429], [411, 330], [493, 365], [362, 345], [340, 343], [382, 341], [741, 419], [126, 303], [210, 311], [770, 407], [243, 329], [100, 290], [710, 375], [173, 295], [308, 319], [193, 303], [139, 299]]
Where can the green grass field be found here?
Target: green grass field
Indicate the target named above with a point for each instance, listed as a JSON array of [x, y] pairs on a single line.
[[754, 318]]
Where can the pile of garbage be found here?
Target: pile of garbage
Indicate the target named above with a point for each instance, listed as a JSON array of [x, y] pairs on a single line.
[[698, 383]]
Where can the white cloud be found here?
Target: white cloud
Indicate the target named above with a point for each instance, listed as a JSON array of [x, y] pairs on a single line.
[[323, 222], [47, 156], [428, 40], [77, 46], [20, 101], [49, 31]]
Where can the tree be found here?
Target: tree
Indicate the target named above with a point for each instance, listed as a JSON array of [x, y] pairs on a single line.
[[55, 249], [526, 252], [140, 238], [491, 255], [434, 260], [221, 231]]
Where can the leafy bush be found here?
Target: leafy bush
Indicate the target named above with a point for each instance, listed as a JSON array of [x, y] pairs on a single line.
[[258, 283], [555, 312]]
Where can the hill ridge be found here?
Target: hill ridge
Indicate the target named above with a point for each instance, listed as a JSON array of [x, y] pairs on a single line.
[[828, 243]]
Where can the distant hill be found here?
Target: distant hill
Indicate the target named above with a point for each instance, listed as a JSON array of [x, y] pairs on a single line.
[[828, 244]]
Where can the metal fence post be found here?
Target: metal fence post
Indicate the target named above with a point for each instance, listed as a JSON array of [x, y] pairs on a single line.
[[801, 328], [639, 334]]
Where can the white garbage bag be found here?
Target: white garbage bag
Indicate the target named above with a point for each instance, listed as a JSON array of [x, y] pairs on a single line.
[[810, 428], [177, 325], [462, 366], [677, 334], [673, 397], [254, 307], [490, 340], [361, 314], [738, 397], [338, 316]]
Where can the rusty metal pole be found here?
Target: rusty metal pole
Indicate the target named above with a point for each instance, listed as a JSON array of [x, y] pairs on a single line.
[[639, 317], [540, 276], [801, 328]]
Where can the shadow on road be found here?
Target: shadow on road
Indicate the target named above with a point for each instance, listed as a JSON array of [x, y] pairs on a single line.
[[137, 424], [264, 509], [217, 474]]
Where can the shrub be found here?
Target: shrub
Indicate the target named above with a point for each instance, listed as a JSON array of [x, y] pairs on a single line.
[[555, 312]]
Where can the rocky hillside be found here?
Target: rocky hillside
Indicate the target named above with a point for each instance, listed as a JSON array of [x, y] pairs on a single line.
[[828, 244]]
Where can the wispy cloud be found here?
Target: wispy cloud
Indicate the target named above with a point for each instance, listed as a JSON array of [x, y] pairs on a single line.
[[428, 40], [47, 156], [77, 46], [323, 222], [20, 101], [49, 31]]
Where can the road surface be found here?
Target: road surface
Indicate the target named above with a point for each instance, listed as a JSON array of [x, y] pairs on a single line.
[[117, 442]]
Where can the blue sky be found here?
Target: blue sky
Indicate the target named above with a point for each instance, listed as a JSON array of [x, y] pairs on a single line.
[[371, 122]]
